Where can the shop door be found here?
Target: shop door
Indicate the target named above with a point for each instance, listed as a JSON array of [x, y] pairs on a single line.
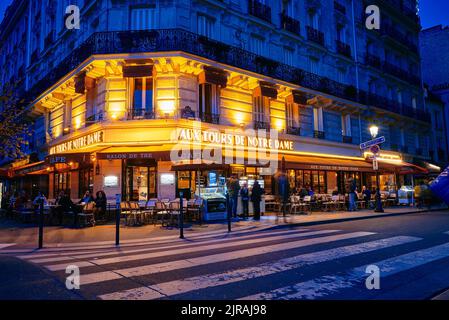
[[140, 183]]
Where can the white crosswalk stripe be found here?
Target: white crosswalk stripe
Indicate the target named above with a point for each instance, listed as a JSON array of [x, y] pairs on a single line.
[[159, 254], [327, 285], [212, 258], [5, 245], [211, 280], [70, 255], [146, 267]]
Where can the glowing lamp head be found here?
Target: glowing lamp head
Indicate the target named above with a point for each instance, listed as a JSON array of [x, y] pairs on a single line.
[[374, 130], [114, 116]]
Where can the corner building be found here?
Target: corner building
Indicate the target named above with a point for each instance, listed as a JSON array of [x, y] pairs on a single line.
[[111, 99]]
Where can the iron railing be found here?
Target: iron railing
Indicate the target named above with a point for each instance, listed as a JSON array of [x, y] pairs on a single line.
[[343, 48], [159, 40], [315, 35], [290, 24], [210, 118], [259, 10]]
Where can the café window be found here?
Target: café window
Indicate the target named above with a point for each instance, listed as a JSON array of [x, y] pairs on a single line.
[[86, 181], [61, 183], [142, 98], [292, 113], [346, 125], [209, 102], [205, 25]]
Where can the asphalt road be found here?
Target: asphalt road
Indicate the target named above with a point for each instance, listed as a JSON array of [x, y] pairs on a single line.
[[411, 253]]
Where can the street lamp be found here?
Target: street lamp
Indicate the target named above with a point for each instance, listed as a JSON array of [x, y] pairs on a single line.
[[374, 130]]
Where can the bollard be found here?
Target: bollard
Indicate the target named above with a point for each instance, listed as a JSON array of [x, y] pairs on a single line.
[[181, 216], [117, 226], [41, 223], [228, 211]]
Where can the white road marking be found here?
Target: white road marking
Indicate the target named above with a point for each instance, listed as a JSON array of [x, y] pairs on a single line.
[[191, 249], [327, 285], [217, 279], [118, 251], [208, 259], [5, 245]]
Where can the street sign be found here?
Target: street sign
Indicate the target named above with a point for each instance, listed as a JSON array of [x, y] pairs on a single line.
[[371, 143], [375, 149], [375, 164]]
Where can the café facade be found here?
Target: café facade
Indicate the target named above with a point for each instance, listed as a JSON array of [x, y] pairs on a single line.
[[142, 126]]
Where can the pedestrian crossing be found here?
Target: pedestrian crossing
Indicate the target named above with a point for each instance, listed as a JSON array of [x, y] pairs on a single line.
[[252, 264]]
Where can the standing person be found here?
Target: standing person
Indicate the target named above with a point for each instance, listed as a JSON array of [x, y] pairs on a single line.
[[417, 194], [66, 204], [244, 195], [352, 195], [100, 204], [366, 196], [256, 197], [40, 196], [233, 190], [284, 192]]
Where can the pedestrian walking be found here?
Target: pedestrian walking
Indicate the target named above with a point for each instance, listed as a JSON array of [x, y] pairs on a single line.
[[233, 190], [352, 195]]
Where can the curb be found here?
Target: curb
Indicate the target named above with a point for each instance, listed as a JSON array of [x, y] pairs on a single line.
[[312, 223]]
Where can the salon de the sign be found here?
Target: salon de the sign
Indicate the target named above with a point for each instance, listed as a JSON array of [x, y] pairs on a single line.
[[233, 139]]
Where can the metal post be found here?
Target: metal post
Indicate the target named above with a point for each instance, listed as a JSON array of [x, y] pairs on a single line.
[[228, 211], [378, 196], [181, 216], [41, 223], [117, 226]]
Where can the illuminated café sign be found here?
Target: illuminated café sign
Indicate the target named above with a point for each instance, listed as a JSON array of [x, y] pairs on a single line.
[[124, 156], [233, 139], [333, 168], [78, 143]]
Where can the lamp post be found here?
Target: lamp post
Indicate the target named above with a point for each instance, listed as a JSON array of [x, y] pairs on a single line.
[[374, 130]]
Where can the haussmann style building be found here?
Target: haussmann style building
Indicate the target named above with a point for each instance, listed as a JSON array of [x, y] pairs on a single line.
[[112, 99]]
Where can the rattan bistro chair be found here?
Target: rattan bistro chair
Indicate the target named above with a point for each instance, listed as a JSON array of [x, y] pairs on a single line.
[[161, 213], [125, 211]]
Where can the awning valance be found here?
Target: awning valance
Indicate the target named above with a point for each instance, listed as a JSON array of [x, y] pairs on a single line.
[[68, 157], [325, 164]]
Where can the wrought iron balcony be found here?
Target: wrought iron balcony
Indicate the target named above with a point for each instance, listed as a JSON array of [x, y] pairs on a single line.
[[94, 118], [343, 48], [339, 7], [319, 134], [315, 35], [259, 10], [163, 40], [261, 125], [347, 139], [136, 114], [373, 61], [294, 131], [290, 24], [210, 118]]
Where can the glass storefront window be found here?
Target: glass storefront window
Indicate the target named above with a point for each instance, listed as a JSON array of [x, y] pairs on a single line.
[[332, 183], [140, 183]]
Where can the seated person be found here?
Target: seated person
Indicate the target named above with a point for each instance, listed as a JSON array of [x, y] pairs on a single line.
[[86, 198], [100, 204]]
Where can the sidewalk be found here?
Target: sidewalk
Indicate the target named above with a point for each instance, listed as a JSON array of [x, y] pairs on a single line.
[[25, 236]]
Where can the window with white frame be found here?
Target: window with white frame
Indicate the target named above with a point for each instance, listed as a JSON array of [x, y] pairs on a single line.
[[261, 111], [414, 102], [288, 8], [318, 124], [209, 102], [288, 56], [292, 113], [142, 97], [205, 25], [142, 18], [257, 45], [346, 125], [314, 65], [314, 19]]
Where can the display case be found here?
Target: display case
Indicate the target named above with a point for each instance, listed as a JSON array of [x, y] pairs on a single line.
[[405, 195], [214, 202]]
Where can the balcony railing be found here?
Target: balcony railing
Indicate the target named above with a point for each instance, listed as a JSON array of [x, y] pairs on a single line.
[[259, 10], [92, 119], [163, 40], [373, 61], [315, 35], [343, 48], [294, 130], [347, 139], [319, 134], [339, 7], [290, 24], [263, 125], [137, 114], [210, 118]]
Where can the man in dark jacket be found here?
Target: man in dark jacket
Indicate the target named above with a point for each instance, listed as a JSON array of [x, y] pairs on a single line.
[[244, 195], [256, 197]]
